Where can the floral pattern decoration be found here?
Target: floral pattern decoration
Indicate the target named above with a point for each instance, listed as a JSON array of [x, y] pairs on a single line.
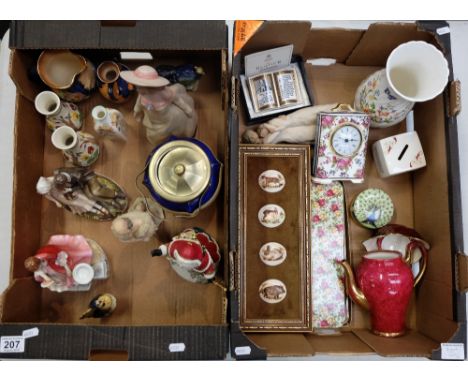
[[376, 98], [85, 152], [68, 115], [329, 302], [328, 164]]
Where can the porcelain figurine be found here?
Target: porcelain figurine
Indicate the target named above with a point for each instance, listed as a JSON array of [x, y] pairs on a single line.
[[140, 223], [58, 113], [183, 175], [68, 263], [164, 110], [383, 286], [109, 123], [84, 193], [395, 237], [415, 72], [80, 149], [70, 75], [103, 305], [188, 75], [111, 85], [193, 254], [296, 127]]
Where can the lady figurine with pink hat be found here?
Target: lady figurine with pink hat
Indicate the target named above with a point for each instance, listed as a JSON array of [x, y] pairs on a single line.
[[166, 109]]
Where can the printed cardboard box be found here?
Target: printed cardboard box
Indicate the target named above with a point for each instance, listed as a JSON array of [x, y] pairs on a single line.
[[155, 307], [428, 199]]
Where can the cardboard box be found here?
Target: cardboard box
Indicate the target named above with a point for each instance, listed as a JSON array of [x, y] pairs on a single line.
[[428, 199], [157, 311]]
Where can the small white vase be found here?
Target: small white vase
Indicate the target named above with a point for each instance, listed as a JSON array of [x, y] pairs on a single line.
[[109, 123], [58, 112], [415, 72], [78, 148]]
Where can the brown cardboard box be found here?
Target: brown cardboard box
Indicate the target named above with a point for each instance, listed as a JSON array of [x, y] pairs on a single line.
[[428, 200], [155, 307]]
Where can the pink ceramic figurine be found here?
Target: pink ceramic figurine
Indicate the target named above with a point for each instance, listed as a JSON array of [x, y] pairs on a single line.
[[165, 109], [68, 263]]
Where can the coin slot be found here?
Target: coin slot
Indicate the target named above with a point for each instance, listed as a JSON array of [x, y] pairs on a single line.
[[403, 152]]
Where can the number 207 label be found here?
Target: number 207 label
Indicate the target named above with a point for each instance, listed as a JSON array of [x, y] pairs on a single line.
[[12, 344]]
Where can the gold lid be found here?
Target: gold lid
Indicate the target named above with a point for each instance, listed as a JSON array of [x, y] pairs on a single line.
[[179, 171]]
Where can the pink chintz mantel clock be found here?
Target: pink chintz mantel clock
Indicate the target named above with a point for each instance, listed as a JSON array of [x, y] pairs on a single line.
[[340, 146]]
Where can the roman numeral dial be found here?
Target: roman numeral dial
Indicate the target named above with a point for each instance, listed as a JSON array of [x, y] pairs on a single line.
[[346, 140]]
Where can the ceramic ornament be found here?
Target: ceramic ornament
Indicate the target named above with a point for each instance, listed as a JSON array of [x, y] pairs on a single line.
[[415, 72], [271, 215], [57, 112], [183, 175], [272, 254], [271, 181], [111, 85], [103, 305], [68, 263], [296, 127], [140, 223], [109, 123], [78, 148], [398, 154], [84, 193], [272, 291], [193, 254], [165, 110], [70, 75], [373, 208], [383, 285], [188, 74], [395, 237]]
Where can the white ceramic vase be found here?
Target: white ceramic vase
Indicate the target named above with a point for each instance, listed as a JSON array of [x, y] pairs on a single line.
[[80, 149], [415, 72], [58, 112], [109, 123]]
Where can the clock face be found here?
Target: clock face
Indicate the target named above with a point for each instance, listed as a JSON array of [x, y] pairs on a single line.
[[346, 140]]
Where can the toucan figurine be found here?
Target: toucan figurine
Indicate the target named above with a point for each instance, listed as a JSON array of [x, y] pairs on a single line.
[[100, 306], [187, 75]]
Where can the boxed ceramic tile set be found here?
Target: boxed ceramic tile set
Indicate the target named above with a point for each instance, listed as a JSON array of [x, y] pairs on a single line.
[[305, 202]]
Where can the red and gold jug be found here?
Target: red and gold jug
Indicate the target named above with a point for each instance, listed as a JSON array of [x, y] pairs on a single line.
[[383, 285]]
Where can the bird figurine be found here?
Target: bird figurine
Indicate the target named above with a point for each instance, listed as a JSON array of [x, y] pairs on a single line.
[[100, 306], [187, 75]]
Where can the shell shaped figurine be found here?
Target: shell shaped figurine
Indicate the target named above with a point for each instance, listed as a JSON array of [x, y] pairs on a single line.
[[68, 263]]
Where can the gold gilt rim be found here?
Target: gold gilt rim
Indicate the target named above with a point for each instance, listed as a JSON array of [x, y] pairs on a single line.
[[160, 154]]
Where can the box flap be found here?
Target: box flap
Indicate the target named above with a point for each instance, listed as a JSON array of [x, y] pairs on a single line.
[[342, 343], [335, 43], [380, 39], [272, 34], [81, 342], [411, 344], [193, 35], [283, 344], [33, 34]]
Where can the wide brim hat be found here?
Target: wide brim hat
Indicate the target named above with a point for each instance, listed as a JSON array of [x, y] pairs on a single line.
[[145, 76]]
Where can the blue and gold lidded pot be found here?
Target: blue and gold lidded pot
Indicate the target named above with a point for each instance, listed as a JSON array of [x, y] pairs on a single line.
[[183, 175], [111, 85]]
